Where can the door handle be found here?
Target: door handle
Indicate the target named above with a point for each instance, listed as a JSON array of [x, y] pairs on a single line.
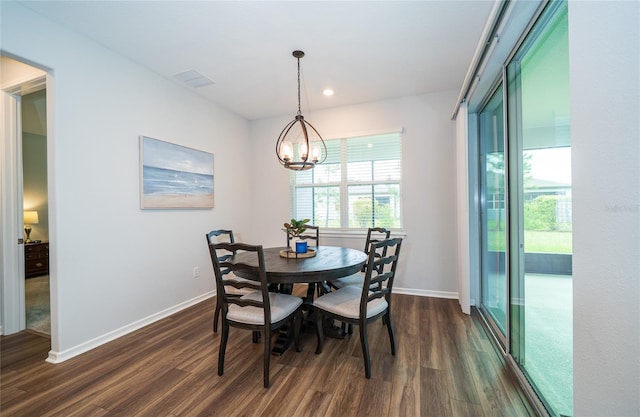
[[20, 241]]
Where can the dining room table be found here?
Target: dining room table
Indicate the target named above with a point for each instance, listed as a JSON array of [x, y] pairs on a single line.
[[320, 264]]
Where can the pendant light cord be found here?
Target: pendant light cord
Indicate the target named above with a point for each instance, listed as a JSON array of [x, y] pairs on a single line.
[[299, 110]]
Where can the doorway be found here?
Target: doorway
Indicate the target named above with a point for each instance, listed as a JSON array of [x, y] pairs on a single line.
[[25, 209], [36, 211]]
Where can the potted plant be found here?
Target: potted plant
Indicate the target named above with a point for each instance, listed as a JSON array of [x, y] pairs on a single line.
[[295, 229]]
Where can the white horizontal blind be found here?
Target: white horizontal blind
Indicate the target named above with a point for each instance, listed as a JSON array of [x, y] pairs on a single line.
[[358, 186]]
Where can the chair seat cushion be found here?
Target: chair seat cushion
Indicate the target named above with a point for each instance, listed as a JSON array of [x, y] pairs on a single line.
[[345, 302], [282, 305], [355, 279]]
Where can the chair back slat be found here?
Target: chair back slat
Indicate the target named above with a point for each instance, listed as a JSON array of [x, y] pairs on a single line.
[[219, 236]]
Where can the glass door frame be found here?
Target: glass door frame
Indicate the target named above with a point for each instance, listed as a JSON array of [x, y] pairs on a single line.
[[503, 340]]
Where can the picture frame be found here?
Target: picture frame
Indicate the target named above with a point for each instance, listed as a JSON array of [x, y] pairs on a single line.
[[174, 176]]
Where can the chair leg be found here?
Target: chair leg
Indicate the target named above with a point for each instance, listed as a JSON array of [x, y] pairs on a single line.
[[392, 339], [223, 347], [319, 331], [365, 349], [267, 355], [297, 324], [216, 316]]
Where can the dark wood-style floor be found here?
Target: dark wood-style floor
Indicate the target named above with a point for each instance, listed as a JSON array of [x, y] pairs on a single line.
[[445, 366]]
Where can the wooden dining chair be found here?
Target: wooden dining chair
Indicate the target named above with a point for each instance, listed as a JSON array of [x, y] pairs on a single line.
[[374, 234], [258, 310], [366, 304], [229, 279]]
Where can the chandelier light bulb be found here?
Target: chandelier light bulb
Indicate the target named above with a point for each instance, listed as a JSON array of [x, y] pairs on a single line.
[[286, 151], [315, 153], [303, 151]]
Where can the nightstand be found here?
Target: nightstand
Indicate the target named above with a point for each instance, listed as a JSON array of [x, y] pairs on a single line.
[[36, 259]]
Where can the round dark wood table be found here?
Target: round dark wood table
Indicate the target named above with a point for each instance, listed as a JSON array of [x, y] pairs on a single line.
[[330, 262]]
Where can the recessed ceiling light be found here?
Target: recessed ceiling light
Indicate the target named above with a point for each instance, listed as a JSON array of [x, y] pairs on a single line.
[[327, 92]]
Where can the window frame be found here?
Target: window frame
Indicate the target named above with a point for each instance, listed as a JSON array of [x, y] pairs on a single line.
[[344, 184]]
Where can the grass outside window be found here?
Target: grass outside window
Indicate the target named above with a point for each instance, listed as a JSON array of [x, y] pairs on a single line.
[[535, 241]]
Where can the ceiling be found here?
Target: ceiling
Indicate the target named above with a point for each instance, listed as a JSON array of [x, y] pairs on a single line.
[[364, 50]]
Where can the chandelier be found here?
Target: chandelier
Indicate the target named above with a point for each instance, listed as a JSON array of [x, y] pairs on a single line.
[[299, 145]]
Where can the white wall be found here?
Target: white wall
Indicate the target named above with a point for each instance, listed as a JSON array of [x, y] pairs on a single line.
[[604, 50], [113, 264], [429, 253]]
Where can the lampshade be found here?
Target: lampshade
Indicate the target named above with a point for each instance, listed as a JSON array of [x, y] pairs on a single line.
[[31, 217], [300, 146]]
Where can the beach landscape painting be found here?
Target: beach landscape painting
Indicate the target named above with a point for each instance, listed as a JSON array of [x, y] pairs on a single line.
[[174, 176]]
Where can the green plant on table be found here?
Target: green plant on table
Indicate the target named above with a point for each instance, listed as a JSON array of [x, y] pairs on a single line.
[[296, 227]]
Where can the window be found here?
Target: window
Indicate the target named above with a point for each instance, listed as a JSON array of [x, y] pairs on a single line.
[[357, 187]]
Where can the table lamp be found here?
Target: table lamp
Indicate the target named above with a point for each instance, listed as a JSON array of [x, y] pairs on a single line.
[[30, 217]]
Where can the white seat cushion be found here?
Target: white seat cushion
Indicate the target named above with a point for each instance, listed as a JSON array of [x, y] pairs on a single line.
[[355, 279], [346, 302], [282, 305]]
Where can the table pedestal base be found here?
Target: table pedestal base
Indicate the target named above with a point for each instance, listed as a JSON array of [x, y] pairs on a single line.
[[285, 335]]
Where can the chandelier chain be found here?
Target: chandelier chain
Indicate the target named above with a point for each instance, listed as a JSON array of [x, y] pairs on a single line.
[[299, 110]]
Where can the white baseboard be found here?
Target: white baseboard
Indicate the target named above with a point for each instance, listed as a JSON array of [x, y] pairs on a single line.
[[426, 293], [57, 357]]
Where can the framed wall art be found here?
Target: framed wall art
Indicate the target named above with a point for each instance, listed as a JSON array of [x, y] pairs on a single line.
[[174, 176]]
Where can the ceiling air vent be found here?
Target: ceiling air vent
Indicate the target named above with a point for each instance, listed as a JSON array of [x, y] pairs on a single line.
[[193, 78]]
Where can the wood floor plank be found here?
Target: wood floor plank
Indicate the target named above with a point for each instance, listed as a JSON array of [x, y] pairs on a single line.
[[376, 399], [434, 398], [445, 366], [81, 408], [405, 394], [313, 403]]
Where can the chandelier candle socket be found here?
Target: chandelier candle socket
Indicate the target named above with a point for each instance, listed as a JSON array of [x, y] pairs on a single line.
[[310, 145]]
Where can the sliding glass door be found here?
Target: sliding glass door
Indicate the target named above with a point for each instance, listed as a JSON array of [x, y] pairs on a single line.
[[541, 338], [525, 211]]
